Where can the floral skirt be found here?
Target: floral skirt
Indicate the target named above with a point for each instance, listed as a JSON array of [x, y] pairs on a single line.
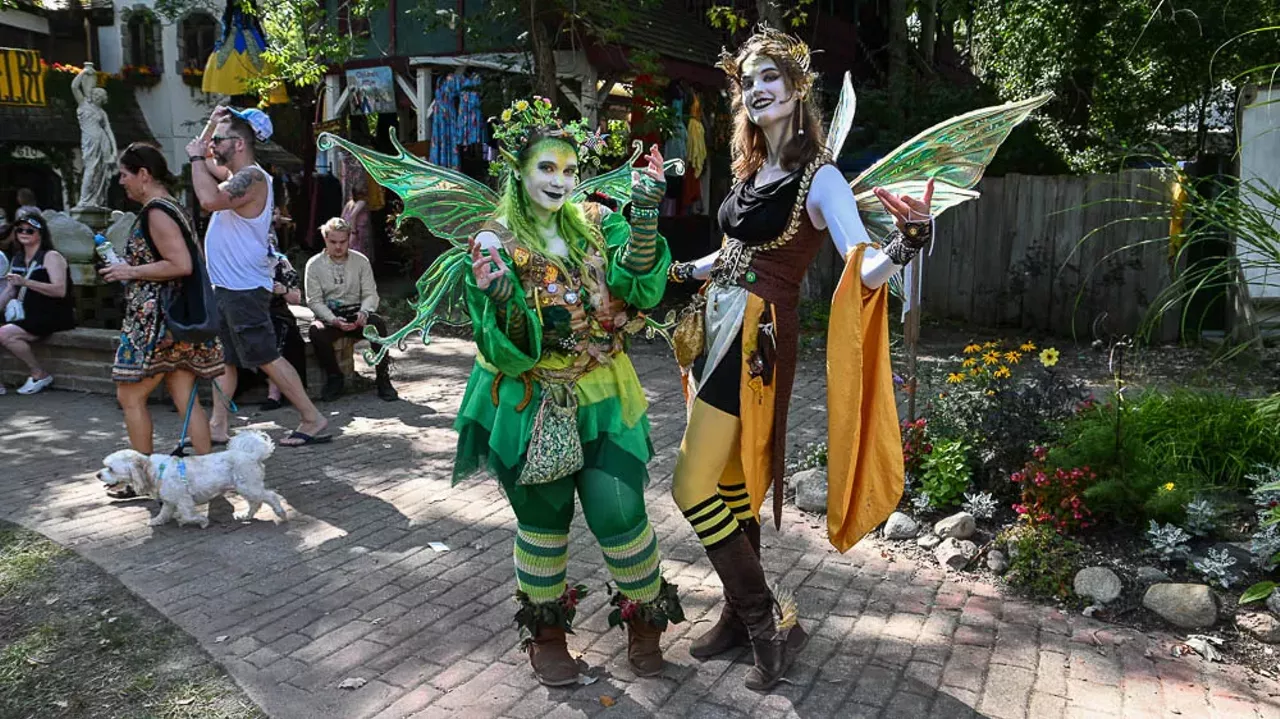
[[147, 349]]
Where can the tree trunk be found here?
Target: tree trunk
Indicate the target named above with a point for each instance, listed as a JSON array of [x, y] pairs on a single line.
[[767, 12], [544, 57], [897, 53], [928, 10]]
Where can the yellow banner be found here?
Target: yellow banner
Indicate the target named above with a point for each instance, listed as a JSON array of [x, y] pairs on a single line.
[[21, 78]]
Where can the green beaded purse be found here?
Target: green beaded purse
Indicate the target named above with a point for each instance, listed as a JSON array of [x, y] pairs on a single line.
[[555, 450]]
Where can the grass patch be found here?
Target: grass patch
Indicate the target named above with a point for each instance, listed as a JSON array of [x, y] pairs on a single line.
[[75, 643]]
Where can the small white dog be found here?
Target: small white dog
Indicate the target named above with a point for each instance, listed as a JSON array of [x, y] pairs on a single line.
[[183, 483]]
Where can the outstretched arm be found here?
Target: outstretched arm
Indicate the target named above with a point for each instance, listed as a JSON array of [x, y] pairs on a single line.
[[699, 269], [647, 188], [832, 206]]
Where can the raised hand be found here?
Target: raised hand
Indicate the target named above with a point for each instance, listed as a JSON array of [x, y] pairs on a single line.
[[905, 208], [487, 267], [649, 183]]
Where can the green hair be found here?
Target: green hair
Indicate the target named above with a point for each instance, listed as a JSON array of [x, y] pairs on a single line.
[[514, 207]]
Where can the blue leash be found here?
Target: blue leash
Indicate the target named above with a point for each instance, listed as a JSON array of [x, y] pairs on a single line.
[[181, 450]]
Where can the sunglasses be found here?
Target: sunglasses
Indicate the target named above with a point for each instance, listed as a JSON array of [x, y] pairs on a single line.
[[219, 138], [26, 231]]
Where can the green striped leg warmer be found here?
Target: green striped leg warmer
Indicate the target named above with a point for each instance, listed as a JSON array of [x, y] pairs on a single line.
[[632, 559], [541, 557]]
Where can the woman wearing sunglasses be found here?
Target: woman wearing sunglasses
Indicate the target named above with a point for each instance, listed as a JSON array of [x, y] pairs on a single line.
[[37, 300]]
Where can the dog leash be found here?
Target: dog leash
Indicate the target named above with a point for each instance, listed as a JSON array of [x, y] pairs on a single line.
[[181, 450]]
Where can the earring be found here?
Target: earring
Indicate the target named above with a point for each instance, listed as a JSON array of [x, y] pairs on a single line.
[[800, 116]]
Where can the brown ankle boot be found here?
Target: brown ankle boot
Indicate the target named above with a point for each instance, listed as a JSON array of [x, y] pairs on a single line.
[[643, 649], [776, 638], [549, 657], [728, 633]]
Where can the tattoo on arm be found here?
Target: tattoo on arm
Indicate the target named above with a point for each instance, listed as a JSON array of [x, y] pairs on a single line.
[[241, 182]]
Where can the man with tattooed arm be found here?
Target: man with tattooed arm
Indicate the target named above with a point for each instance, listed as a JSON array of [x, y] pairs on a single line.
[[237, 192]]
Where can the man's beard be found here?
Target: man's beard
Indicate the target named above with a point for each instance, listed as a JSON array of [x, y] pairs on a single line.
[[220, 158]]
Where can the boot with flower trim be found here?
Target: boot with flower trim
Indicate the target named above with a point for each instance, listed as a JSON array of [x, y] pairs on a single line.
[[543, 630], [645, 623]]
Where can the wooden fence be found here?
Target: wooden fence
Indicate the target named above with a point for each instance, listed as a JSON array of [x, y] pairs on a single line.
[[1018, 255]]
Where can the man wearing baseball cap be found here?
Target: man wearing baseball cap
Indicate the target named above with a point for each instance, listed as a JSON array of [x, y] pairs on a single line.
[[237, 192]]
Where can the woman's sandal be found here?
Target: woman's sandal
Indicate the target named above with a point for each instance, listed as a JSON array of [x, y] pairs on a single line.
[[124, 492]]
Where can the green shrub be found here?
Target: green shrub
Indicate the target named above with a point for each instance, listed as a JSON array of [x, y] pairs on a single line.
[[946, 472], [1155, 453], [1041, 561]]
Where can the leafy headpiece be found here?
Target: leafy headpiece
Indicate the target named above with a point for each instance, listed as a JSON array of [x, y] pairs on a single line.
[[783, 48], [520, 123]]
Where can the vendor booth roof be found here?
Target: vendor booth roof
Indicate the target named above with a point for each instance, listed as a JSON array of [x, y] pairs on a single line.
[[689, 48]]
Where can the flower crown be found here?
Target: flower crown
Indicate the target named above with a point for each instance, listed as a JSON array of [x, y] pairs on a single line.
[[776, 44], [518, 124]]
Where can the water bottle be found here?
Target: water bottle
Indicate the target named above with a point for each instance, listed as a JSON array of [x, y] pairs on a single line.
[[106, 252]]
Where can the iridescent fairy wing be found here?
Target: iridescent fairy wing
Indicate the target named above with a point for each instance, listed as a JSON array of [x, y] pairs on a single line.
[[449, 203], [616, 183], [452, 206], [954, 153], [841, 119]]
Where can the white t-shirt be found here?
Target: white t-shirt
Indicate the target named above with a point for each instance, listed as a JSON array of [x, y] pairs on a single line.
[[238, 248]]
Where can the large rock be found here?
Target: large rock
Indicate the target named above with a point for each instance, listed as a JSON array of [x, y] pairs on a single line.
[[901, 526], [1097, 583], [811, 490], [1265, 627], [72, 238], [960, 525], [1189, 606], [929, 541], [1273, 602], [955, 553], [1150, 575]]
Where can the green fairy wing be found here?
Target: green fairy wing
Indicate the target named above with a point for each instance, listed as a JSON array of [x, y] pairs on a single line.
[[452, 206], [953, 153], [616, 183], [841, 119], [449, 203]]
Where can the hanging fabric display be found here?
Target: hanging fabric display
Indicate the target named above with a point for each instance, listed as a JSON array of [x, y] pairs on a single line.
[[444, 120], [237, 57]]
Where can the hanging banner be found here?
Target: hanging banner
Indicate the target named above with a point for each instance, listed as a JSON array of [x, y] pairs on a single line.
[[373, 90], [21, 78]]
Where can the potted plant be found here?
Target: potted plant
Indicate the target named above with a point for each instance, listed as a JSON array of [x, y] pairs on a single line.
[[140, 75], [193, 77]]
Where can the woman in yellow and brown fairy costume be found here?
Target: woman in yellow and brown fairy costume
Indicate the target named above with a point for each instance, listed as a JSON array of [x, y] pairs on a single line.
[[789, 198]]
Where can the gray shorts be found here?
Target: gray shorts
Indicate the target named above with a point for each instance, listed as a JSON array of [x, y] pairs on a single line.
[[244, 325]]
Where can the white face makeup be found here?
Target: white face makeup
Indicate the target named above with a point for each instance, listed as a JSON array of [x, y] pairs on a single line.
[[549, 176], [765, 93]]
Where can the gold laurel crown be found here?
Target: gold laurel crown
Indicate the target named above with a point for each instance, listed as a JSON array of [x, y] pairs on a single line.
[[775, 44]]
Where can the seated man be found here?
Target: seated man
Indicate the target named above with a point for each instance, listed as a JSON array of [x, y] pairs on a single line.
[[342, 294]]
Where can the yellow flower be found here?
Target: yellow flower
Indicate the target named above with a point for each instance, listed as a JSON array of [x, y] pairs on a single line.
[[971, 348], [1013, 356], [991, 393], [1002, 372], [991, 358], [506, 115], [1168, 487], [969, 362], [1049, 357], [975, 372], [521, 106], [955, 378], [1028, 346]]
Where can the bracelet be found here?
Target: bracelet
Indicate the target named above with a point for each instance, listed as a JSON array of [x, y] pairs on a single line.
[[194, 158], [680, 272], [643, 213]]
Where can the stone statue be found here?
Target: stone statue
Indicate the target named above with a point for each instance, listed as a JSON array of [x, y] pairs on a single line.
[[97, 143]]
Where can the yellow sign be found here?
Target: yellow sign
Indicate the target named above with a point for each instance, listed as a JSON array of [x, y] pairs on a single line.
[[21, 78]]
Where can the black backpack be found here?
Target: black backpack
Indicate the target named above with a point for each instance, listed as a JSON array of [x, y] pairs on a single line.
[[188, 306]]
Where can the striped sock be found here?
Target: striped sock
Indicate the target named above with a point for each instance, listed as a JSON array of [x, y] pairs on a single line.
[[712, 521], [541, 557], [632, 559], [738, 501]]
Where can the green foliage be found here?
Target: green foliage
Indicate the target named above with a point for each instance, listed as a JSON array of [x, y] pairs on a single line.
[[946, 473], [1103, 58], [1156, 453], [1257, 592], [1041, 561]]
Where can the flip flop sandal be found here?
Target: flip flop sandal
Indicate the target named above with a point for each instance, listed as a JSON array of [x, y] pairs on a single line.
[[271, 404], [307, 439]]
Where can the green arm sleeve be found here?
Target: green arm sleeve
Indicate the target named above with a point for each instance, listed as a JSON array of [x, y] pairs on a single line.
[[507, 333], [638, 289]]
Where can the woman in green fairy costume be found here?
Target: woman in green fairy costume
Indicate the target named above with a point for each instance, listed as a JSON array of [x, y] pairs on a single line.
[[553, 408]]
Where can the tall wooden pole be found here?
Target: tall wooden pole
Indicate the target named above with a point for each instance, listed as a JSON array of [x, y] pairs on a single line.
[[911, 335]]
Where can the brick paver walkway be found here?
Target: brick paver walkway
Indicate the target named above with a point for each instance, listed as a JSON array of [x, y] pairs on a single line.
[[350, 587]]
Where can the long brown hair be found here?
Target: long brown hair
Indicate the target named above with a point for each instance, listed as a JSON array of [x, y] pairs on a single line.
[[749, 147]]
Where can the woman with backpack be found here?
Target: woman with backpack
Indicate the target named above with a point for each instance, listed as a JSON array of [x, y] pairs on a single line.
[[156, 258]]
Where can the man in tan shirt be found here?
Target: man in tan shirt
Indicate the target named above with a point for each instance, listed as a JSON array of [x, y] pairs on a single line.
[[342, 295]]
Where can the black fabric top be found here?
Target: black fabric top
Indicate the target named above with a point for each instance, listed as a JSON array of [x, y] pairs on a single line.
[[756, 215], [44, 314]]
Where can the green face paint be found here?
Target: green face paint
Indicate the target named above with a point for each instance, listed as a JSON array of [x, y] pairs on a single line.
[[548, 176]]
